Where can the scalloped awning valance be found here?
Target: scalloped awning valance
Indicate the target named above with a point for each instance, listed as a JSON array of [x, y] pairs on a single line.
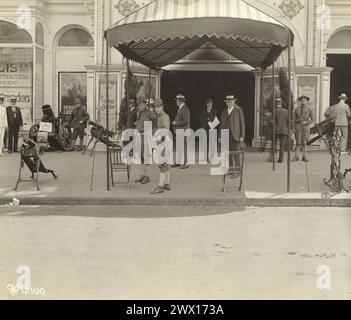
[[165, 31]]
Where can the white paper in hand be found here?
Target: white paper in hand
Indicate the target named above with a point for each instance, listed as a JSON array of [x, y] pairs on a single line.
[[213, 124]]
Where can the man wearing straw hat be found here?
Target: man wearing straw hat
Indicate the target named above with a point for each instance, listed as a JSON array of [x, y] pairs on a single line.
[[182, 121], [341, 114], [303, 117], [3, 122], [15, 123], [232, 119]]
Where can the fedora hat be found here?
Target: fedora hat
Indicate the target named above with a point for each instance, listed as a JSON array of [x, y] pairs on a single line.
[[230, 98], [343, 96], [302, 97], [180, 97]]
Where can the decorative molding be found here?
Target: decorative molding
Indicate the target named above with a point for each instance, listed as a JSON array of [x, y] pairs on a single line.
[[291, 8], [126, 7]]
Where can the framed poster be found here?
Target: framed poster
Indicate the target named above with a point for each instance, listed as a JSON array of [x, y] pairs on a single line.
[[16, 79], [71, 85], [144, 87], [100, 110], [308, 85]]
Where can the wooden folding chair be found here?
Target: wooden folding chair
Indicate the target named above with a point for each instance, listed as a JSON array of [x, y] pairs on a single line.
[[33, 156], [235, 170], [117, 165]]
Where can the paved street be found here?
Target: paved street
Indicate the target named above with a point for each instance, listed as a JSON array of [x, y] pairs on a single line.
[[176, 253]]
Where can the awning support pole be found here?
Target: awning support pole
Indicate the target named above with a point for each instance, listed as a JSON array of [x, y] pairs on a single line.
[[273, 116], [128, 88], [149, 95], [290, 114], [261, 113], [107, 116]]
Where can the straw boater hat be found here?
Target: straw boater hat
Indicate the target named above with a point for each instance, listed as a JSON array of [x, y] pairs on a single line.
[[343, 96], [303, 96], [2, 97], [180, 97], [230, 98]]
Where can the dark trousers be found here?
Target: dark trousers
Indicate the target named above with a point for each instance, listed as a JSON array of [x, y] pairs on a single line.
[[234, 146], [185, 150], [78, 132], [12, 139], [281, 139], [5, 139]]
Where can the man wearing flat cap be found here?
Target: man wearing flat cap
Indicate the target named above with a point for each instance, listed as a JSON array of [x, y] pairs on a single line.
[[144, 115], [3, 122], [341, 115], [15, 124], [127, 118], [232, 119], [303, 117], [182, 121]]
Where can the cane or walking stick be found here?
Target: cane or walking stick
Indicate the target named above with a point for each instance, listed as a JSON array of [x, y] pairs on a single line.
[[92, 172], [307, 177]]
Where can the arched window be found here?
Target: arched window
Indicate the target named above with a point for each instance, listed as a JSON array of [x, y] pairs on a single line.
[[10, 33], [76, 37], [340, 40], [39, 34]]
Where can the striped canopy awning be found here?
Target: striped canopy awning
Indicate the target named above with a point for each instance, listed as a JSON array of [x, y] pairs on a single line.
[[165, 31]]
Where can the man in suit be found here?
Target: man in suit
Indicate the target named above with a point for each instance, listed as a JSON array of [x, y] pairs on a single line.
[[3, 122], [182, 121], [232, 119], [281, 128], [15, 124], [341, 115]]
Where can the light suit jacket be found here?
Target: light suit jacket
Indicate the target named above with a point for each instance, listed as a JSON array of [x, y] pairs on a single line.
[[3, 118]]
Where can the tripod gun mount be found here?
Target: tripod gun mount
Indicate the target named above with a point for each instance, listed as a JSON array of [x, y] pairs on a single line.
[[98, 133], [331, 135]]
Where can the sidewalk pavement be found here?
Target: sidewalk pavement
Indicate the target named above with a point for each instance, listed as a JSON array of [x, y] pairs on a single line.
[[195, 186]]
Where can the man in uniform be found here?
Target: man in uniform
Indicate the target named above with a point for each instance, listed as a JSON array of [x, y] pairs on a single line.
[[3, 122], [127, 119], [303, 117], [78, 121], [15, 124], [281, 128], [144, 115], [341, 114]]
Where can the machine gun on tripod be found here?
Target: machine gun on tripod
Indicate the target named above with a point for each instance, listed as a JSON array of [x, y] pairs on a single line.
[[322, 130], [98, 133], [332, 137]]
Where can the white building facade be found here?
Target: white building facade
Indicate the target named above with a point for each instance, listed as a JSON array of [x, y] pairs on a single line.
[[59, 53]]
